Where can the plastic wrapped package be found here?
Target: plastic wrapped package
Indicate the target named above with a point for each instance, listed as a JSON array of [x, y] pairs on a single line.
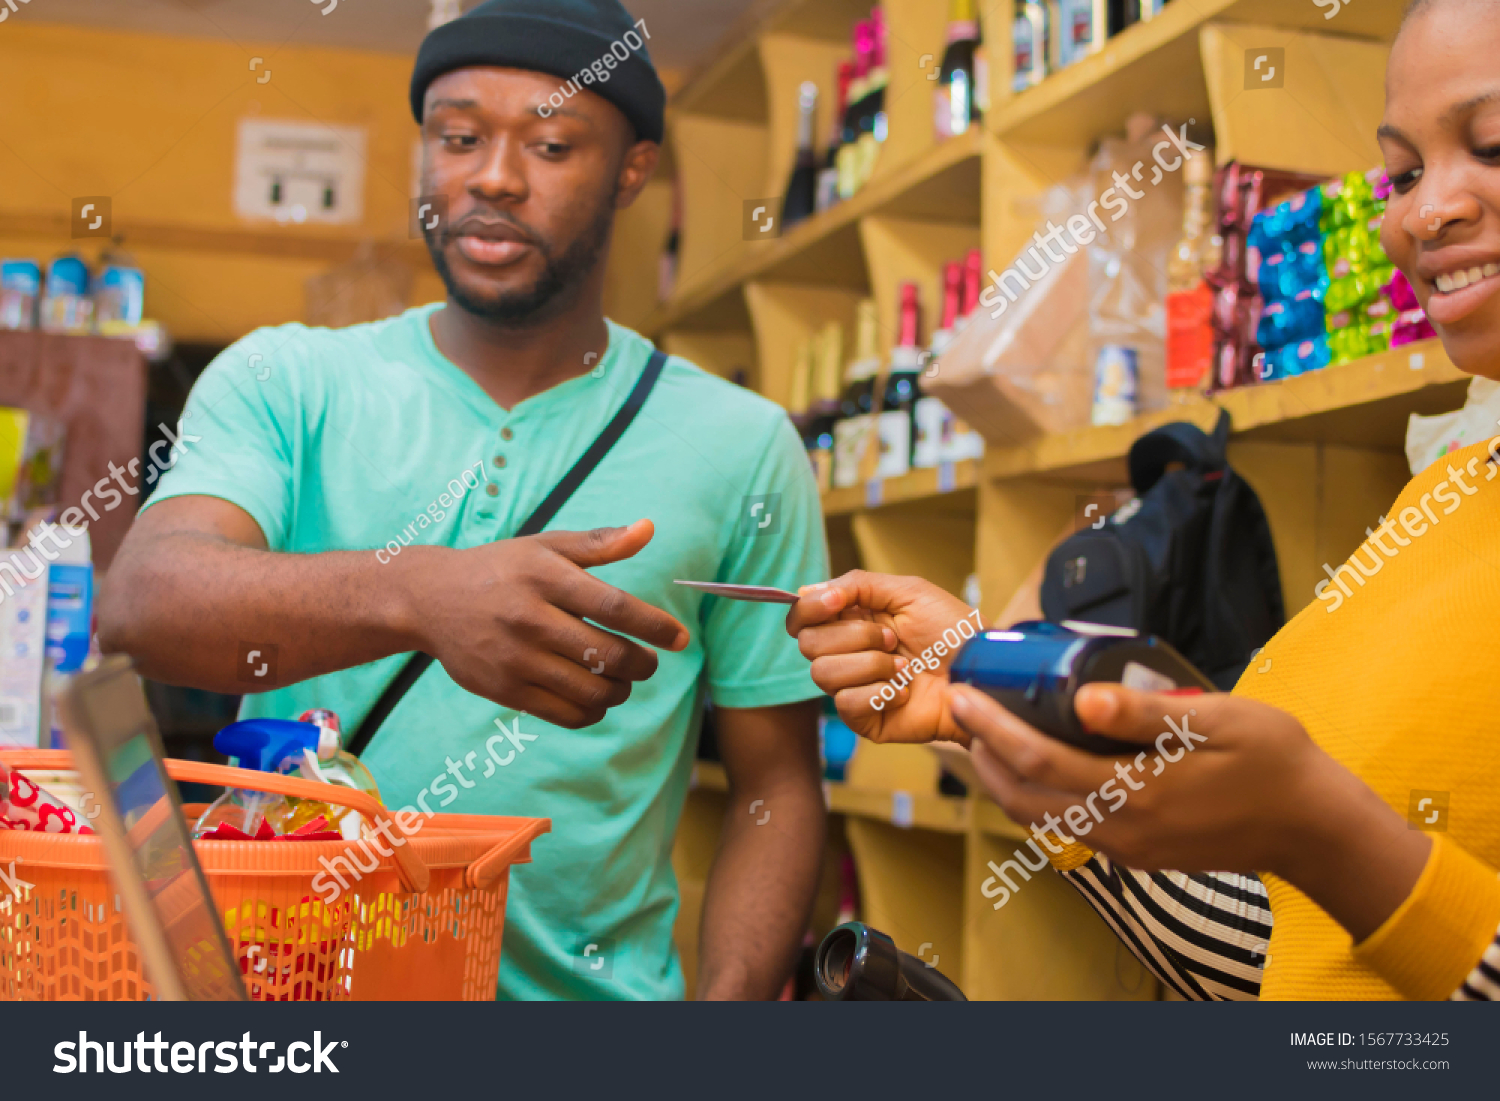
[[1023, 367], [1129, 261]]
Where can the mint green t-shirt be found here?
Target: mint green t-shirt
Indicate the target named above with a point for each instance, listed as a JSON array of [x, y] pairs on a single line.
[[367, 438]]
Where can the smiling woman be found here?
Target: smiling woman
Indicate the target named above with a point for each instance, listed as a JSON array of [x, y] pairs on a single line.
[[1441, 139]]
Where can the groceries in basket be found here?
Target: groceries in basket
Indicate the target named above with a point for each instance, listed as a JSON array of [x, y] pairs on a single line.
[[26, 806], [308, 750]]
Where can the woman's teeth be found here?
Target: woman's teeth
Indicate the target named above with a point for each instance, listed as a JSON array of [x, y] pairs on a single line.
[[1458, 280]]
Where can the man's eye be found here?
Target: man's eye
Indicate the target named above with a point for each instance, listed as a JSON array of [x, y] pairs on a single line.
[[463, 141], [553, 148], [1488, 153]]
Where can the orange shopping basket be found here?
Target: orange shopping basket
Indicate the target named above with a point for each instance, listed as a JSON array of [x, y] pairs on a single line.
[[424, 927]]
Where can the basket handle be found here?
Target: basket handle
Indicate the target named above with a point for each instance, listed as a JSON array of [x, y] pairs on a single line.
[[414, 874]]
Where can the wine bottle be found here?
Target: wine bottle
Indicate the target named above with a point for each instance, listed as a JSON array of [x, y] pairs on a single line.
[[973, 277], [872, 120], [823, 409], [953, 290], [954, 97], [848, 154], [929, 414], [896, 425], [1190, 301], [1124, 13], [828, 176], [1030, 41], [856, 423], [801, 199]]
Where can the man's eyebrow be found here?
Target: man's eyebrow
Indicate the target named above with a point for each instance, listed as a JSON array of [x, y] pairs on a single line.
[[1386, 130], [460, 104], [546, 111]]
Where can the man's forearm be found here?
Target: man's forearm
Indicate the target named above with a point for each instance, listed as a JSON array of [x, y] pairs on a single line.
[[188, 607], [760, 892]]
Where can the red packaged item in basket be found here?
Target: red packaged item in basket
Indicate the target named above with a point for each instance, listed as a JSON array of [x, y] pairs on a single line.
[[25, 806]]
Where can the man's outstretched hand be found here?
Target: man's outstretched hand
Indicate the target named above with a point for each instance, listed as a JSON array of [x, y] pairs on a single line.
[[507, 621], [864, 631]]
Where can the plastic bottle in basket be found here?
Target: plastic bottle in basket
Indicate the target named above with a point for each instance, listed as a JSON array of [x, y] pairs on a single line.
[[330, 763], [303, 750]]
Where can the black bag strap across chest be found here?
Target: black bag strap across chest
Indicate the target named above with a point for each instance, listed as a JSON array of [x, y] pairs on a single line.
[[418, 664]]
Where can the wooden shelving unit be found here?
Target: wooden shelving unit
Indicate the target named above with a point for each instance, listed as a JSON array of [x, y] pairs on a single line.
[[1324, 451]]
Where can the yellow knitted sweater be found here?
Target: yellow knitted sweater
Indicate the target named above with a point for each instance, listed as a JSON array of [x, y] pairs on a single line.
[[1392, 670], [1397, 681]]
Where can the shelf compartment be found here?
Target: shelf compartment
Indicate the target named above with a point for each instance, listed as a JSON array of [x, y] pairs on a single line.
[[1156, 67], [941, 185], [919, 485], [1364, 404]]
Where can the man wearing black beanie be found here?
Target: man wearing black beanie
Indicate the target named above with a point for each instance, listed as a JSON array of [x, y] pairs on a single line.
[[328, 521]]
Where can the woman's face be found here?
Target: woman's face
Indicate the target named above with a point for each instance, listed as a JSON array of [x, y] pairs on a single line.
[[1441, 138]]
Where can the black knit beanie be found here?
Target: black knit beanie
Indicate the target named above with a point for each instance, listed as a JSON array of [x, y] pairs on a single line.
[[586, 44]]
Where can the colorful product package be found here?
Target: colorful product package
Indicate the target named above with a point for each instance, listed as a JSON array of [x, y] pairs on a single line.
[[66, 304], [31, 459], [25, 806], [23, 643], [20, 291]]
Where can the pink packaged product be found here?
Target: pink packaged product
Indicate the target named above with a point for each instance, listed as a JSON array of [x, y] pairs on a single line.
[[1411, 322], [24, 806]]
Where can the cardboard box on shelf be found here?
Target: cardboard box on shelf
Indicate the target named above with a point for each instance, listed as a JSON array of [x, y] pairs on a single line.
[[1025, 370]]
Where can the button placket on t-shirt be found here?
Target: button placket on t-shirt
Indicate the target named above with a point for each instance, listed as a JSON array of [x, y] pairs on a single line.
[[498, 462]]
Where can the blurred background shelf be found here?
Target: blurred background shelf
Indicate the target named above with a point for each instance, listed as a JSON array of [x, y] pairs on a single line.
[[919, 485]]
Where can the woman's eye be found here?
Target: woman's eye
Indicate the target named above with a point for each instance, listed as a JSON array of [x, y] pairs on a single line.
[[1488, 153], [1405, 181]]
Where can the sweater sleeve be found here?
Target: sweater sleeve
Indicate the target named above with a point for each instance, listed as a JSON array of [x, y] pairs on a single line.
[[1427, 949], [1203, 935]]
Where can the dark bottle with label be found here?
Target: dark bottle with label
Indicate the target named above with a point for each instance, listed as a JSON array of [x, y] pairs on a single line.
[[898, 425], [858, 397], [801, 198], [954, 100], [847, 158], [828, 176]]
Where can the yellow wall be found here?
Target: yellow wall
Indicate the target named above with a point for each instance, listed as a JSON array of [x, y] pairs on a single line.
[[150, 121]]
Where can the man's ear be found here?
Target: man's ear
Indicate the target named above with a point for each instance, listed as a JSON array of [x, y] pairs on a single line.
[[636, 171]]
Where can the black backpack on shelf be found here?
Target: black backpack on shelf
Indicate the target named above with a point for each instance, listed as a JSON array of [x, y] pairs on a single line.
[[1190, 560]]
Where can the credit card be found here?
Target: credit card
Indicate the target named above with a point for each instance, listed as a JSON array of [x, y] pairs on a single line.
[[760, 594]]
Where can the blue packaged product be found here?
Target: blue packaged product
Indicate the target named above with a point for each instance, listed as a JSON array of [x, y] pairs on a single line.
[[66, 305], [70, 600], [20, 287], [1117, 381], [120, 296], [68, 274], [1309, 355], [1301, 216]]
